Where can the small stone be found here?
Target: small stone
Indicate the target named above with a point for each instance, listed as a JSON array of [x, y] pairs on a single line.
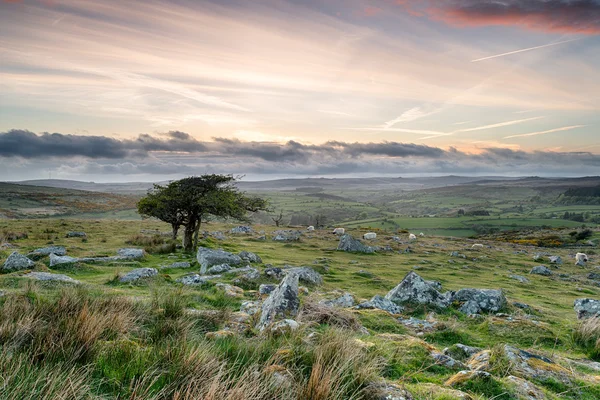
[[381, 303], [76, 234], [540, 270], [46, 276], [58, 260], [218, 269], [230, 290], [349, 244], [138, 273], [587, 308], [250, 257], [520, 278], [344, 301], [131, 253], [196, 279]]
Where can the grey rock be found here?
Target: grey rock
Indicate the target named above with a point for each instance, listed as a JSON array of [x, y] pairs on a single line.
[[555, 260], [587, 308], [349, 244], [413, 289], [218, 269], [435, 284], [416, 323], [520, 278], [131, 253], [46, 276], [286, 236], [180, 264], [250, 307], [461, 352], [593, 275], [306, 275], [197, 279], [447, 361], [208, 257], [75, 234], [388, 391], [46, 251], [274, 273], [522, 306], [480, 300], [282, 302], [381, 303], [344, 301], [252, 275], [250, 257], [138, 273], [540, 270], [283, 327], [17, 262], [218, 235], [241, 229], [266, 288], [58, 260]]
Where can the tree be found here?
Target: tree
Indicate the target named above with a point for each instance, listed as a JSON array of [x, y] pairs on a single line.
[[190, 201], [320, 220], [278, 218]]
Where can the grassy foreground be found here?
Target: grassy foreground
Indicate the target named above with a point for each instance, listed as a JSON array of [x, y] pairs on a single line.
[[156, 339]]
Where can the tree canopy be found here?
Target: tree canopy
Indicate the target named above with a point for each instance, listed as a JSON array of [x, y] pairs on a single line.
[[190, 201]]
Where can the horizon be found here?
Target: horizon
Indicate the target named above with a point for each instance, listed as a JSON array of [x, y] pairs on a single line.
[[152, 91]]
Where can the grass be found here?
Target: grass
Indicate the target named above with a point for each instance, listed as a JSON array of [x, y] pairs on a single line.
[[587, 335]]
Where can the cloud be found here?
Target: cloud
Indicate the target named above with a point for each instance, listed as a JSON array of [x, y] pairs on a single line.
[[552, 16]]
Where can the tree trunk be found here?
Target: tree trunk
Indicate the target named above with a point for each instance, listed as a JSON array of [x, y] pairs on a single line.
[[196, 234], [188, 236], [175, 229]]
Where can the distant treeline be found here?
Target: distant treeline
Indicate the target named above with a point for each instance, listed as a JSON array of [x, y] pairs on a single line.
[[581, 195], [583, 192]]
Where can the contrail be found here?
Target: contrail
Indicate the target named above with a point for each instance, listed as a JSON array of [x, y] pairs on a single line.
[[565, 128], [522, 50]]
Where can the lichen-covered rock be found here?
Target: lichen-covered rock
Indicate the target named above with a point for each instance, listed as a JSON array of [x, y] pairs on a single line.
[[587, 308], [524, 389], [350, 244], [532, 366], [555, 260], [461, 352], [46, 251], [480, 300], [306, 275], [75, 234], [230, 290], [540, 270], [218, 269], [282, 302], [17, 262], [286, 236], [283, 327], [447, 361], [241, 229], [519, 278], [274, 273], [413, 289], [180, 264], [418, 324], [49, 277], [265, 289], [196, 279], [250, 307], [138, 273], [344, 301], [381, 303], [131, 253], [250, 257], [58, 260], [208, 257], [388, 391]]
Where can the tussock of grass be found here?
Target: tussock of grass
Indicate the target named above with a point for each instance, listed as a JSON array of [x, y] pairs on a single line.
[[315, 313], [587, 336]]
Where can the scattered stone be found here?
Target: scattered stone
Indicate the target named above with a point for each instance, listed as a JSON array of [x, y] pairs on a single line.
[[594, 275], [58, 260], [181, 264], [241, 229], [286, 236], [47, 277], [283, 327], [522, 306], [540, 270], [196, 279], [250, 257], [282, 302], [218, 269], [252, 275], [533, 366], [480, 300], [555, 260], [364, 274], [217, 235], [524, 389], [138, 273], [230, 290], [274, 273], [17, 262], [250, 307], [349, 244], [222, 334], [587, 308], [46, 251], [208, 257], [265, 289], [447, 361], [131, 253], [381, 303], [413, 289], [416, 323], [344, 301], [461, 352], [388, 391], [76, 234], [306, 275], [519, 278]]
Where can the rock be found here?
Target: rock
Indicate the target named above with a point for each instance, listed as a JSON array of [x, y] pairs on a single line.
[[230, 290], [388, 391], [306, 275], [344, 301], [265, 289], [250, 307], [461, 352], [209, 257], [131, 253], [181, 264], [524, 389], [520, 278], [222, 334], [587, 308], [218, 235], [555, 260], [17, 262], [540, 270], [218, 269], [533, 366], [46, 251], [419, 324], [464, 376], [238, 322], [241, 229], [381, 303], [252, 275], [58, 260], [138, 273], [282, 302], [196, 279], [250, 257], [286, 235], [283, 327], [47, 276], [349, 244], [480, 300], [76, 234], [274, 273], [447, 361], [522, 306], [413, 289], [594, 275]]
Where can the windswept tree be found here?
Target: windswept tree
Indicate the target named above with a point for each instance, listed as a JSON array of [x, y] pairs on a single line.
[[190, 201]]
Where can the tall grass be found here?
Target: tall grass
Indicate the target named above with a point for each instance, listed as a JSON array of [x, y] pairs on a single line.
[[587, 335]]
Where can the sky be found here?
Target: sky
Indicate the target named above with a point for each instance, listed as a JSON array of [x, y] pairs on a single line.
[[148, 90]]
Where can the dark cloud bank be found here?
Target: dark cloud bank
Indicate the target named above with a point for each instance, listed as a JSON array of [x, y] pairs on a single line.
[[178, 153]]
